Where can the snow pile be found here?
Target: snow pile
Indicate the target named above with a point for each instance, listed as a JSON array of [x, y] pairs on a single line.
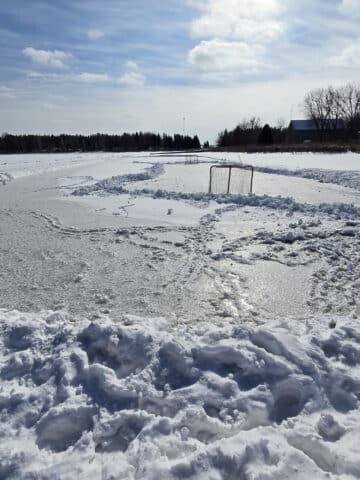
[[146, 399], [115, 183], [5, 178], [336, 210], [346, 178]]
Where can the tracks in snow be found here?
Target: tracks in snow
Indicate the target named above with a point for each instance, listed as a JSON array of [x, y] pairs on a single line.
[[201, 272]]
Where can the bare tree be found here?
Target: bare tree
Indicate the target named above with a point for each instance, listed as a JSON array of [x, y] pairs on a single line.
[[350, 103], [330, 107], [255, 123], [318, 105], [333, 99]]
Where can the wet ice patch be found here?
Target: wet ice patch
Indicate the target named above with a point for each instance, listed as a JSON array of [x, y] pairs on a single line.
[[141, 399]]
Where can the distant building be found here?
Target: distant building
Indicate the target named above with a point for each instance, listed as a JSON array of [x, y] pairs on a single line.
[[300, 131]]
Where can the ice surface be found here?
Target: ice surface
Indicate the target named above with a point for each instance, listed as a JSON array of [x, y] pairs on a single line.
[[139, 398], [21, 165], [206, 336], [292, 161]]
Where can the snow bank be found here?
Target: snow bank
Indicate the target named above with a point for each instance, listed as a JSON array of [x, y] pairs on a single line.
[[346, 178], [113, 184], [337, 210], [116, 186], [144, 399]]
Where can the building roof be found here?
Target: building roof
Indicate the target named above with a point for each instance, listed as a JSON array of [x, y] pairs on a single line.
[[303, 125], [311, 125]]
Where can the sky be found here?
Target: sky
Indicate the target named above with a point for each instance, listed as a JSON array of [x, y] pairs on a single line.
[[193, 66]]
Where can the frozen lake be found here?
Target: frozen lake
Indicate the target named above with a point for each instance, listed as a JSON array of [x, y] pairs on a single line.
[[148, 328], [160, 203]]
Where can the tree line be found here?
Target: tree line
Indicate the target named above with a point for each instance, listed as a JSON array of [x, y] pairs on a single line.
[[252, 132], [138, 141]]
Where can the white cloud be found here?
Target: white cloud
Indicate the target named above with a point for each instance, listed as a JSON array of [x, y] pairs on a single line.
[[94, 77], [220, 55], [94, 34], [234, 37], [349, 57], [45, 75], [6, 92], [132, 76], [132, 79], [350, 6], [47, 58], [131, 65], [245, 20]]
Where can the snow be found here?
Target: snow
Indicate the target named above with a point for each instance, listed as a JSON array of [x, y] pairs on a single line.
[[141, 398], [294, 161], [151, 330], [347, 178], [22, 165]]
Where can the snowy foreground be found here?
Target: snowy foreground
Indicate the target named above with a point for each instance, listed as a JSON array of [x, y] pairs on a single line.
[[142, 398], [151, 330]]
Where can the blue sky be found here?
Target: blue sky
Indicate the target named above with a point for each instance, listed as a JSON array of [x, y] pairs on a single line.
[[119, 65]]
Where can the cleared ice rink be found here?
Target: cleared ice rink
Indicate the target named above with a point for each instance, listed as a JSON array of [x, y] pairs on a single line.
[[151, 330]]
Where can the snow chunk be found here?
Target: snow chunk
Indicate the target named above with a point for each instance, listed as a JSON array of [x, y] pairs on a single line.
[[329, 429], [5, 178]]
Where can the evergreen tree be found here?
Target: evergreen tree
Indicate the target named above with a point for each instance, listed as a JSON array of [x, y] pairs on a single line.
[[265, 137], [98, 142]]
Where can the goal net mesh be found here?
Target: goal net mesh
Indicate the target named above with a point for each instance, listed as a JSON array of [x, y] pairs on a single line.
[[231, 179]]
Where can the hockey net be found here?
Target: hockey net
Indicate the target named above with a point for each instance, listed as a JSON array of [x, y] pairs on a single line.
[[235, 179]]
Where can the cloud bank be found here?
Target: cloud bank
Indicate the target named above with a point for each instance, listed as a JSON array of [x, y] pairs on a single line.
[[47, 58]]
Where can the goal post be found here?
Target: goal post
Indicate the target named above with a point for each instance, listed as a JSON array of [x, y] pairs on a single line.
[[235, 179]]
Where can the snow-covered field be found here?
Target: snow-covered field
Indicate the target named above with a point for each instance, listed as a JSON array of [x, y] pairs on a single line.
[[149, 329]]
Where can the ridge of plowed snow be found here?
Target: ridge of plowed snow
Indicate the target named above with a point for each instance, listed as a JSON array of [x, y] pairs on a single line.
[[346, 178], [338, 210]]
